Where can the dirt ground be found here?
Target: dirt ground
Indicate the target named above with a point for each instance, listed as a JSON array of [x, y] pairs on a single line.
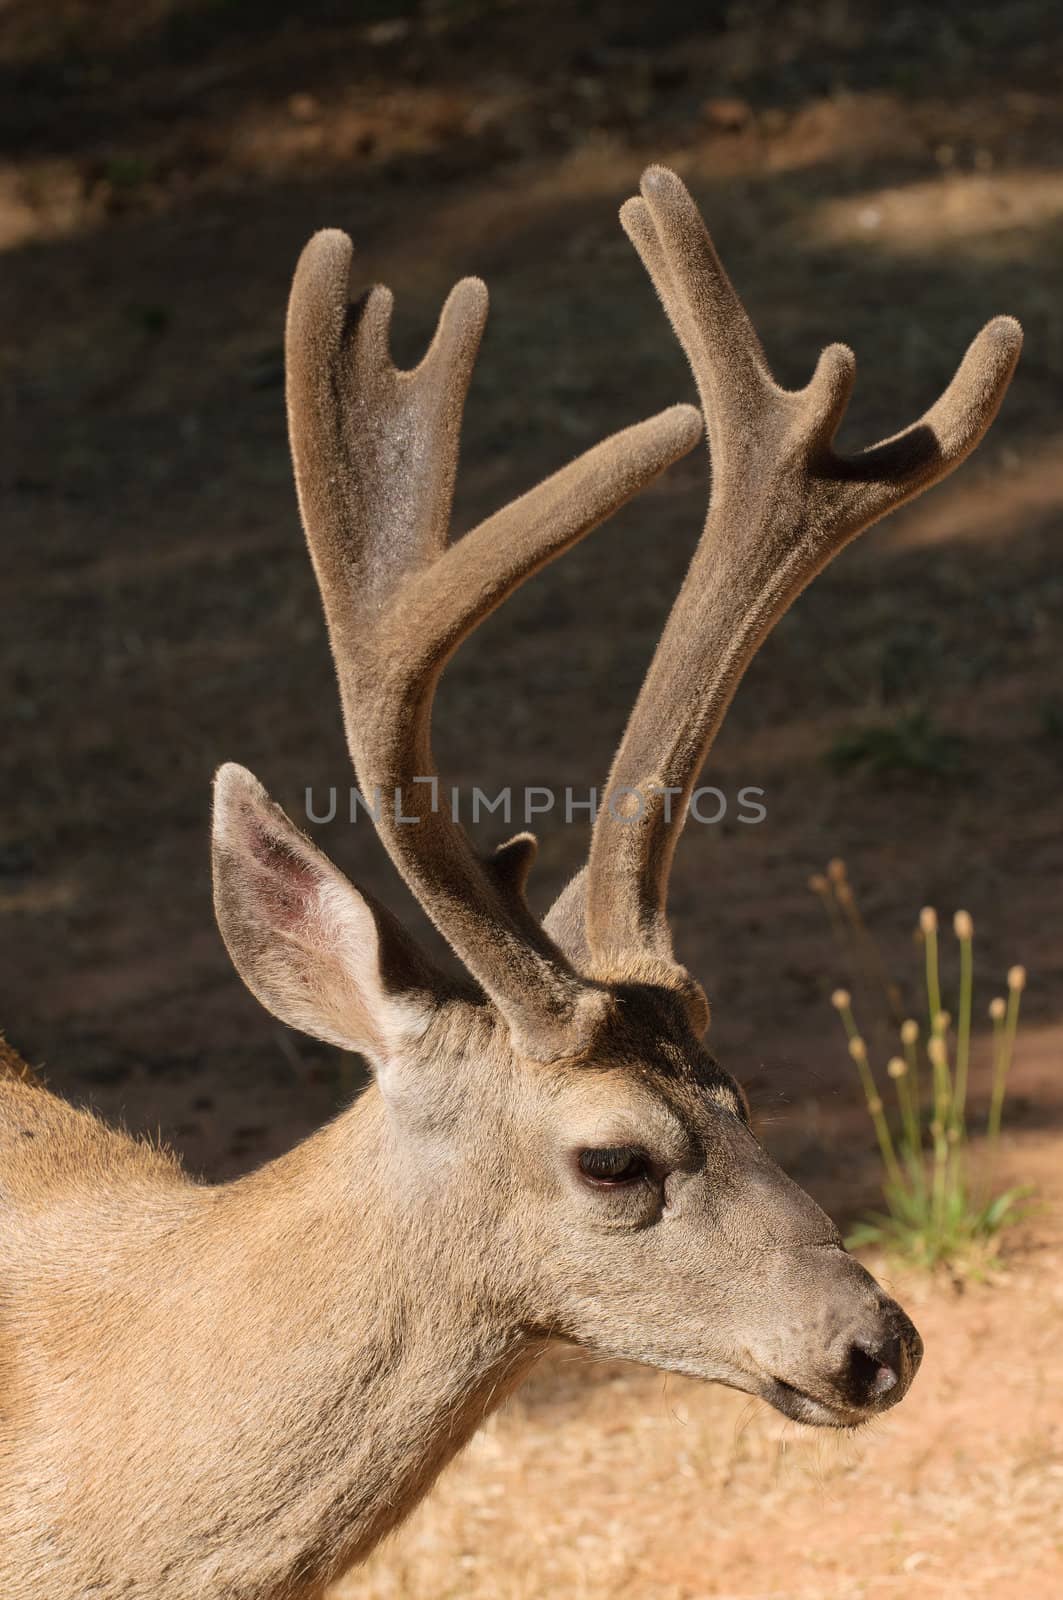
[[886, 176]]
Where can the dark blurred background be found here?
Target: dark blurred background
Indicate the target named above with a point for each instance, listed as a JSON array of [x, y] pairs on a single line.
[[885, 175]]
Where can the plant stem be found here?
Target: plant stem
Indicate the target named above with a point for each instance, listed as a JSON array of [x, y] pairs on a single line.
[[911, 1055], [848, 1022], [1004, 1041], [909, 1118], [940, 1180], [821, 888], [997, 1098], [933, 980], [858, 1051], [943, 1089], [868, 948], [938, 1053], [963, 1034], [912, 1148]]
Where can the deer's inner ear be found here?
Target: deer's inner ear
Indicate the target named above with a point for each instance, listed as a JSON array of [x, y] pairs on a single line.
[[317, 952]]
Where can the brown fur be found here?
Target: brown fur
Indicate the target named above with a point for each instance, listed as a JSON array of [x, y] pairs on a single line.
[[13, 1066], [233, 1392]]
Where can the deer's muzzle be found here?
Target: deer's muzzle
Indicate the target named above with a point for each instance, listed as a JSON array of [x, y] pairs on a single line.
[[865, 1353]]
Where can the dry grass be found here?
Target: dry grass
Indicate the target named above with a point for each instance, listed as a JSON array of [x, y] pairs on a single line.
[[603, 1479]]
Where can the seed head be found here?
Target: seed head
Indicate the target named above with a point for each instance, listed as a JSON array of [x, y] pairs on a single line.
[[819, 884], [953, 1136], [942, 1022], [874, 1105], [928, 920], [858, 1049], [909, 1031], [1017, 978], [836, 869], [963, 925], [935, 1128], [937, 1052], [997, 1009], [896, 1067], [841, 999]]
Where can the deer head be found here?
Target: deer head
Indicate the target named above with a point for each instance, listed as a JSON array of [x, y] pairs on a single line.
[[560, 1104]]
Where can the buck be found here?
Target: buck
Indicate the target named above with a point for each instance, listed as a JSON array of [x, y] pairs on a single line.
[[233, 1392]]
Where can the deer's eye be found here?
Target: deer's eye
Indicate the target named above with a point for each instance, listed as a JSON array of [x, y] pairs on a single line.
[[613, 1164]]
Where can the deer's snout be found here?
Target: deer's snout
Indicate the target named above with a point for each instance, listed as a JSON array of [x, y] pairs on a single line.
[[846, 1352], [871, 1355]]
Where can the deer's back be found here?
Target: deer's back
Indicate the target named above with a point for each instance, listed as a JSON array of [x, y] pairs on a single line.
[[49, 1149]]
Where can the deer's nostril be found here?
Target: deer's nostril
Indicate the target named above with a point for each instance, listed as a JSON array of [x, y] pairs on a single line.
[[874, 1368]]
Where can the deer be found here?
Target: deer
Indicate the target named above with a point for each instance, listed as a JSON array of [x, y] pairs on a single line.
[[233, 1391]]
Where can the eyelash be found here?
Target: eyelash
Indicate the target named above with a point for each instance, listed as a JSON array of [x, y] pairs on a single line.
[[614, 1166]]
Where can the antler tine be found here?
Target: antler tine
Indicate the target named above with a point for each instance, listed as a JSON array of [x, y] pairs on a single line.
[[717, 337], [783, 503], [375, 449], [375, 452]]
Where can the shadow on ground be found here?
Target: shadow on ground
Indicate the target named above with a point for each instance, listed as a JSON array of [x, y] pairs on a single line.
[[158, 176]]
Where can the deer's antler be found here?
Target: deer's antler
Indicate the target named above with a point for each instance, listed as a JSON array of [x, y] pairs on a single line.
[[783, 503], [375, 453]]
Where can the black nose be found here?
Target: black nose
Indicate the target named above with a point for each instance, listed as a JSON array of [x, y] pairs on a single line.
[[880, 1366], [874, 1369]]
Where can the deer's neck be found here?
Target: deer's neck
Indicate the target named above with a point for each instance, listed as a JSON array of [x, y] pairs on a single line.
[[366, 1305]]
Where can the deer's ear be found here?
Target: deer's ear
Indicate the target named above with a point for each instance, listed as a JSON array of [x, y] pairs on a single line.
[[317, 953]]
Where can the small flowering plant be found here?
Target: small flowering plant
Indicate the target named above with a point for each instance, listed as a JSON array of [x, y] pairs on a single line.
[[934, 1211]]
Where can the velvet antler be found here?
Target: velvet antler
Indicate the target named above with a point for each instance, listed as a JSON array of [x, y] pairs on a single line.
[[783, 504], [375, 453]]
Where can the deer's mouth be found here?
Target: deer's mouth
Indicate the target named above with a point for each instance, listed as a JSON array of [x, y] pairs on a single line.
[[811, 1409]]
